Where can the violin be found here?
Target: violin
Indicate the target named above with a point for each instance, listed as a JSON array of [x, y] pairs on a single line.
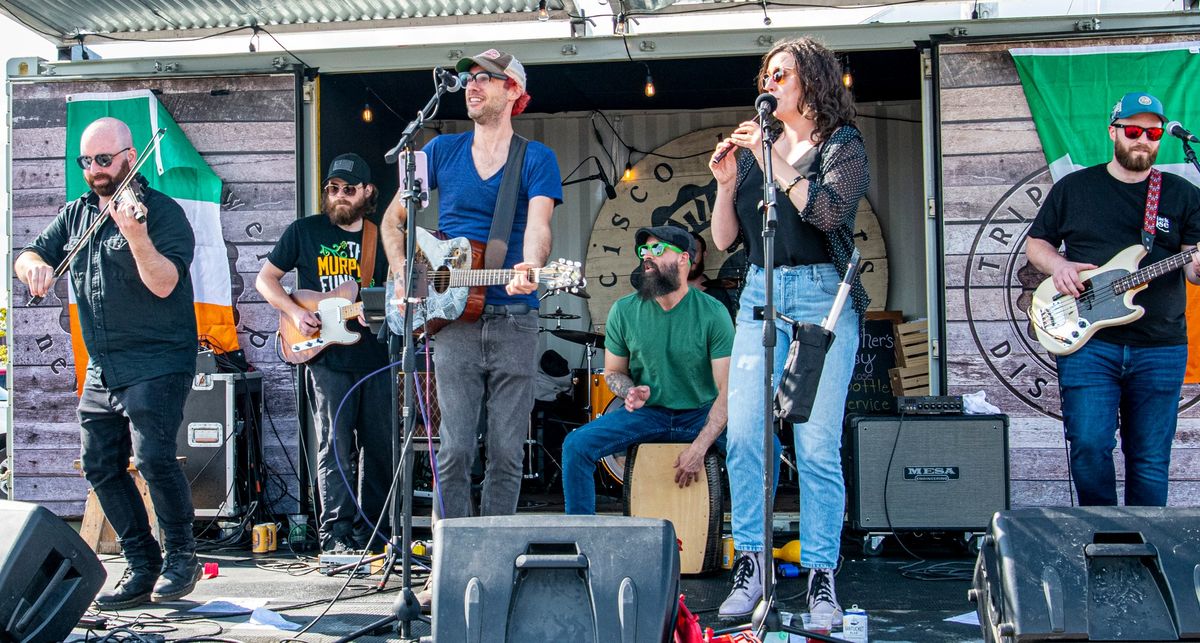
[[132, 194]]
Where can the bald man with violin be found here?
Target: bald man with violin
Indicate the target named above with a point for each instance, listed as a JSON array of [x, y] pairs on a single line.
[[136, 315]]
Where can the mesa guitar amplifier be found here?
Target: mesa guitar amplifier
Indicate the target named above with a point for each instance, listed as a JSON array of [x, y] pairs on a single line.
[[944, 472], [221, 437]]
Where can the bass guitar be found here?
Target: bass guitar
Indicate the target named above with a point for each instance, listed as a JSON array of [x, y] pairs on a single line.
[[452, 289], [1064, 323], [334, 309]]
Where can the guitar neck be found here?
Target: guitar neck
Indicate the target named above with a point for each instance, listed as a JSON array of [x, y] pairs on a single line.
[[488, 277], [352, 311], [1153, 271]]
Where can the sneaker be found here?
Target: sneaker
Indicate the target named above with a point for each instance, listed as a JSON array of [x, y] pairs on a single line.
[[180, 572], [747, 585], [132, 590], [425, 596], [341, 545], [823, 605]]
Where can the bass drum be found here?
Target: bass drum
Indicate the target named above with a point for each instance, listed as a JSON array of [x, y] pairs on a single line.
[[614, 465]]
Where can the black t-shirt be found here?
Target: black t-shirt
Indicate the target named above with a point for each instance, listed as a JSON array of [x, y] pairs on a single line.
[[324, 257], [797, 242], [1097, 216]]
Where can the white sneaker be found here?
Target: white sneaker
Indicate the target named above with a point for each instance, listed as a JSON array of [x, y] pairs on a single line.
[[823, 605], [747, 585]]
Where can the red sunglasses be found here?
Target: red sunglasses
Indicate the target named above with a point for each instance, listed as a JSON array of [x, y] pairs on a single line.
[[1133, 132]]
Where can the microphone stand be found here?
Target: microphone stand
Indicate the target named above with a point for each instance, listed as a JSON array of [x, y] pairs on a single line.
[[406, 609], [1190, 154]]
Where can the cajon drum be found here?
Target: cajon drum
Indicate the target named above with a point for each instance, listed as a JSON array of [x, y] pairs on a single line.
[[694, 511]]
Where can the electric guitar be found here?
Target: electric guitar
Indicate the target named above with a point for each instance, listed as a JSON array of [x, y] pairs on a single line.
[[1064, 323], [334, 308], [452, 289]]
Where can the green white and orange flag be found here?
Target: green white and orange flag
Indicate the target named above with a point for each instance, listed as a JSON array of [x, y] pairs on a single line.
[[1071, 93], [179, 171]]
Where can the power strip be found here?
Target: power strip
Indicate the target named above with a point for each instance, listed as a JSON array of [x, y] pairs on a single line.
[[929, 404]]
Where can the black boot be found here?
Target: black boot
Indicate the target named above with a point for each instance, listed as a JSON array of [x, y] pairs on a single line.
[[144, 561], [180, 572], [132, 590]]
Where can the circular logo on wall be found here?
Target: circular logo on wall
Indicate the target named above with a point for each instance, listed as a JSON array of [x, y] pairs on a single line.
[[673, 186], [998, 287]]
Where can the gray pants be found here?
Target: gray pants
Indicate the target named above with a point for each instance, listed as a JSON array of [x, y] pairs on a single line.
[[486, 364]]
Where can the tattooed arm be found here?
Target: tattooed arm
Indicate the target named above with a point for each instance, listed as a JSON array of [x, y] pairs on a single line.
[[616, 374]]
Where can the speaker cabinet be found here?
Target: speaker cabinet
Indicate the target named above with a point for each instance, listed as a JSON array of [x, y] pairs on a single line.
[[1091, 574], [554, 578], [48, 576], [946, 472], [221, 435]]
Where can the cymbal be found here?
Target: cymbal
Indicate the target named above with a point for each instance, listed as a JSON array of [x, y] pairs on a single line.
[[721, 283], [579, 336], [558, 314]]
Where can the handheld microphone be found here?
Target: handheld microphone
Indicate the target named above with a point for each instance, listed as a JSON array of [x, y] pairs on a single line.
[[1174, 128], [765, 104], [452, 80]]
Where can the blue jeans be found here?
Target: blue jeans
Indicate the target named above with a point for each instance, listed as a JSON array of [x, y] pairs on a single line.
[[141, 420], [614, 432], [1103, 382], [804, 293]]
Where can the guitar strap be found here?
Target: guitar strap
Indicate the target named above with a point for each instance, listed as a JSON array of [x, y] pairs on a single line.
[[366, 269], [506, 204], [1150, 221]]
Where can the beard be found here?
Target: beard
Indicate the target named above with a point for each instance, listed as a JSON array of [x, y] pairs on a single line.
[[656, 283], [1135, 158], [105, 183], [342, 212], [487, 113]]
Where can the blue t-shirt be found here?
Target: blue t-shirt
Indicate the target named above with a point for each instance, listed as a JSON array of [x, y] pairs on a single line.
[[467, 201]]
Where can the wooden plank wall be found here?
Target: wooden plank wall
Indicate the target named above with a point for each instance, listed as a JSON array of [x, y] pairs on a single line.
[[244, 128], [993, 178]]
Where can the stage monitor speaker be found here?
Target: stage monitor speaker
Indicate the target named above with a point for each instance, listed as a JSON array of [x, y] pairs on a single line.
[[946, 473], [221, 436], [48, 575], [554, 578], [1091, 574]]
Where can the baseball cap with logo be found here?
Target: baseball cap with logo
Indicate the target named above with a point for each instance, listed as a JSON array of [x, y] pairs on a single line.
[[350, 168], [496, 62], [1137, 103]]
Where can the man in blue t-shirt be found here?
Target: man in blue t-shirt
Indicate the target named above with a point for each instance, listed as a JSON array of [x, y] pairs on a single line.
[[490, 361]]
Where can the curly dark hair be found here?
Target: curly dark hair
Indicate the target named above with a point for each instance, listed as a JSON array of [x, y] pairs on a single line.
[[826, 100]]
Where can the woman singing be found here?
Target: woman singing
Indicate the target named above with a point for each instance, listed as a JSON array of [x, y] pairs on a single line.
[[820, 168]]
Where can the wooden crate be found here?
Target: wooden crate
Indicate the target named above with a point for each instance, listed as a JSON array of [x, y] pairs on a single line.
[[911, 375]]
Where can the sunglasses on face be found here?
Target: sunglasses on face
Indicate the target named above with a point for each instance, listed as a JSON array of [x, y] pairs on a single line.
[[1133, 132], [657, 249], [779, 77], [103, 160], [332, 189], [481, 77]]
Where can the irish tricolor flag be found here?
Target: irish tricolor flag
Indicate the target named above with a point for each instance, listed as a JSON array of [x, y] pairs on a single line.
[[1071, 92], [177, 170]]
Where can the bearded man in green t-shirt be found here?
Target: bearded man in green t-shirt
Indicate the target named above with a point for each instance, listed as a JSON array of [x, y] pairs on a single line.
[[666, 354]]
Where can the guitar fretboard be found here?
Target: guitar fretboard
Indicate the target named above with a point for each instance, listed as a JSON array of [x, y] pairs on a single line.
[[484, 277], [1153, 271]]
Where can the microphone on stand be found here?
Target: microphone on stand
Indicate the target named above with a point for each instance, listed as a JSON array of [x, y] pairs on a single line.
[[1174, 128], [765, 105], [453, 81]]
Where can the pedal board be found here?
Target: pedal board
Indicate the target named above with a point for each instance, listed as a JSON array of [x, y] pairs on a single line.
[[929, 404], [330, 561]]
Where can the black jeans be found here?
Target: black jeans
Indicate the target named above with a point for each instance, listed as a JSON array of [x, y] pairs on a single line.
[[144, 419], [360, 445]]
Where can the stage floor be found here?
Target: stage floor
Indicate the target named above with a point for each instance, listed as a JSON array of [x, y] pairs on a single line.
[[900, 607]]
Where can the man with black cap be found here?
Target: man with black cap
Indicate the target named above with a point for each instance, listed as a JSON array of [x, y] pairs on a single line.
[[1127, 376], [490, 362], [666, 353], [327, 251]]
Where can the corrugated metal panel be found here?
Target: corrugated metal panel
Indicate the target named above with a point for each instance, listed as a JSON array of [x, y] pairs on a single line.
[[71, 17]]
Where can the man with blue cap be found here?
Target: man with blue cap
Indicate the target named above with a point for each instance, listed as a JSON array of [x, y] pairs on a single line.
[[1126, 376]]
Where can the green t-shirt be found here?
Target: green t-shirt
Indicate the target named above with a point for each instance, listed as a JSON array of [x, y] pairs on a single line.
[[671, 351]]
